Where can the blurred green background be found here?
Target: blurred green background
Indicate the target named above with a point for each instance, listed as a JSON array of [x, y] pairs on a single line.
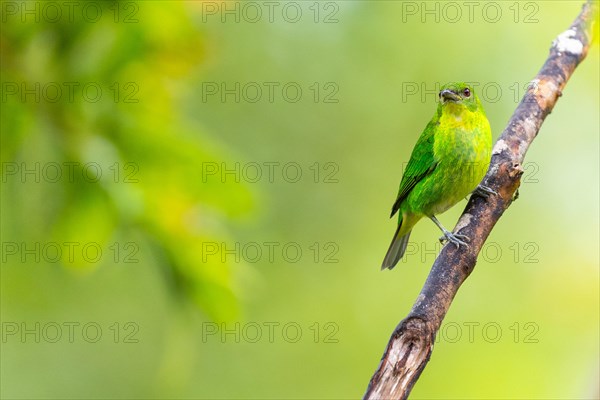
[[235, 163]]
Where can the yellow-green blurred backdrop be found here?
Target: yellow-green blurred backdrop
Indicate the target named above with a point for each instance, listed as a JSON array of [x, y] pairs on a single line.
[[195, 200]]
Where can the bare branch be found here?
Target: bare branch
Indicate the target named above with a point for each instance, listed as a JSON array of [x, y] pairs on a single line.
[[411, 344]]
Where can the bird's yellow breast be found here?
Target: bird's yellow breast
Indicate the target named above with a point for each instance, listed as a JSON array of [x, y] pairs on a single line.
[[455, 116]]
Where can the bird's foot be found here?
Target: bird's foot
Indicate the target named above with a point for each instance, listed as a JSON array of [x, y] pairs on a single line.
[[455, 239], [484, 191]]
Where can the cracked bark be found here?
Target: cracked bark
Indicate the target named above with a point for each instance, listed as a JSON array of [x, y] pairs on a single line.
[[411, 343]]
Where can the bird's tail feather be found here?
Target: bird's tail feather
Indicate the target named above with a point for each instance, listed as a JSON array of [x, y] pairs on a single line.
[[396, 250]]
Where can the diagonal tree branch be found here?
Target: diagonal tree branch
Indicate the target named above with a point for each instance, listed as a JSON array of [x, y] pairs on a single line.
[[411, 344]]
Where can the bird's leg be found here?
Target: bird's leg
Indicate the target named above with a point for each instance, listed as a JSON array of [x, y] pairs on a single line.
[[453, 238], [484, 191]]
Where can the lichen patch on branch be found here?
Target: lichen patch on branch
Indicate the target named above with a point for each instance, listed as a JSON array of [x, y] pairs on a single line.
[[464, 221], [567, 42], [499, 147]]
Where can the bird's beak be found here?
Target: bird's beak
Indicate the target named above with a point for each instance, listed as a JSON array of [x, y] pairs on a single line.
[[449, 95]]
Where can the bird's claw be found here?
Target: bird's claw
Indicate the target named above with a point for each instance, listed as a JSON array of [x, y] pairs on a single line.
[[484, 191], [455, 239]]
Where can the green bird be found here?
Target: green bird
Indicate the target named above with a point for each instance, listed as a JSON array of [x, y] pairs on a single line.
[[448, 162]]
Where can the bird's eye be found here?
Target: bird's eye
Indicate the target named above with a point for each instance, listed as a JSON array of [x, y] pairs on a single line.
[[467, 92]]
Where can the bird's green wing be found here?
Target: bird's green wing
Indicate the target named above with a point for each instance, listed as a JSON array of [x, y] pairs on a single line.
[[422, 162]]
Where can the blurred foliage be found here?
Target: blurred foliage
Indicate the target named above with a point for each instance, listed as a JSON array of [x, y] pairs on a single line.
[[541, 268], [149, 156]]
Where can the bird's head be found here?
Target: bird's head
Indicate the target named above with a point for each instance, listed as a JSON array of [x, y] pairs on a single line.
[[456, 96]]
